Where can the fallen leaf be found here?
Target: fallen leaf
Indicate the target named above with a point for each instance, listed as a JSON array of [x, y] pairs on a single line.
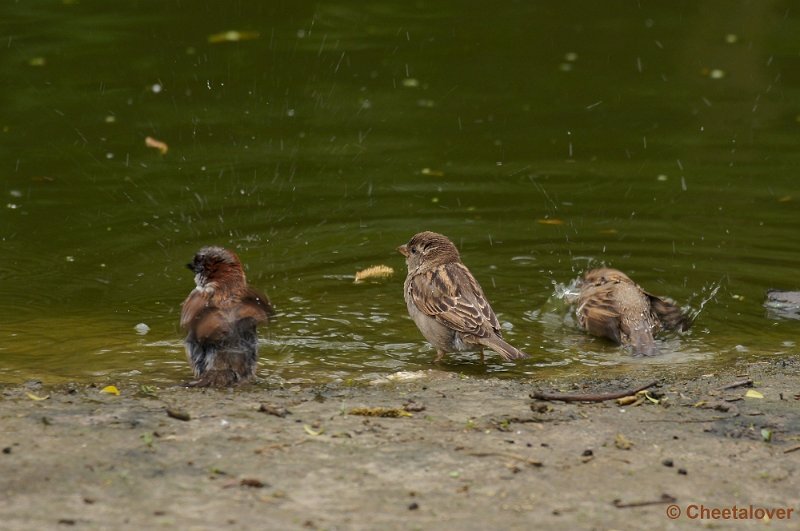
[[549, 221], [178, 414], [35, 397], [622, 442], [110, 389], [151, 142], [766, 434], [752, 393], [233, 36], [252, 482], [273, 409], [389, 412], [309, 430], [625, 400], [378, 271]]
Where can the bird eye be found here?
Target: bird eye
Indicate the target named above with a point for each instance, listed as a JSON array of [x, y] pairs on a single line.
[[413, 250]]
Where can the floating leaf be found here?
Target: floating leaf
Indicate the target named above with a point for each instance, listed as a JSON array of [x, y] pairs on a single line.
[[784, 199], [151, 142], [378, 271], [36, 397], [752, 393], [110, 389], [432, 173], [233, 36], [309, 430], [549, 221]]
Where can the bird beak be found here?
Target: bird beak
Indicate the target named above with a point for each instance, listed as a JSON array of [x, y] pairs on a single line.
[[403, 249]]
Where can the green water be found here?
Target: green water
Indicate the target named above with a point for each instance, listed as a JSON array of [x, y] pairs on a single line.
[[662, 134]]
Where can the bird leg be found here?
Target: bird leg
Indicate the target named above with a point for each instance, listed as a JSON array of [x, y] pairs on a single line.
[[439, 356], [483, 360]]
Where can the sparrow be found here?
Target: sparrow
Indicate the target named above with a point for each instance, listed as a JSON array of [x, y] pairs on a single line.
[[446, 302], [221, 315], [613, 306]]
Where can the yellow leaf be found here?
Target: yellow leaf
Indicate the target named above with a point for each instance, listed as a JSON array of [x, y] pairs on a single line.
[[110, 389], [378, 271], [752, 393], [35, 397], [549, 221], [311, 431], [151, 142]]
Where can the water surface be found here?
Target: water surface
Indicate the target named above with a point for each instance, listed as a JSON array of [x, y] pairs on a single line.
[[658, 138]]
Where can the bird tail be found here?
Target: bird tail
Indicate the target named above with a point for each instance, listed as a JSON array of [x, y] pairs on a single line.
[[508, 352]]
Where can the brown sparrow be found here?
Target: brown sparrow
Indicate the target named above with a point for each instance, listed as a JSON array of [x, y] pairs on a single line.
[[446, 302], [221, 315], [612, 305]]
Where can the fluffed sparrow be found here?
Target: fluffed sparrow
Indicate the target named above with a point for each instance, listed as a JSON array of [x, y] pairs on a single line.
[[613, 306], [221, 315]]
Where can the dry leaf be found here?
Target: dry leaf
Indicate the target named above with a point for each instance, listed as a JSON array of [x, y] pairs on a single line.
[[549, 221], [378, 271], [151, 142], [35, 397], [391, 412], [309, 430], [622, 442], [110, 389], [752, 393]]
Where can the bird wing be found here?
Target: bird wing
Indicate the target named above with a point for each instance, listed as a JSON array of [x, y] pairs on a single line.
[[452, 296], [193, 307], [669, 314], [598, 312], [202, 318], [255, 305]]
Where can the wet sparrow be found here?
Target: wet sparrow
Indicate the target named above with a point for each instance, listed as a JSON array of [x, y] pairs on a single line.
[[612, 305], [221, 315], [446, 302]]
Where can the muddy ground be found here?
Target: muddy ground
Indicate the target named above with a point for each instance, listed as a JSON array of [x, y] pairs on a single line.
[[465, 453]]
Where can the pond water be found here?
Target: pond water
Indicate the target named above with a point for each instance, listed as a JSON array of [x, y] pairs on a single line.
[[315, 137]]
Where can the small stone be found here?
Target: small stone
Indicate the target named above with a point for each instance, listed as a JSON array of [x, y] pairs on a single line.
[[682, 471], [667, 462], [587, 453], [413, 506]]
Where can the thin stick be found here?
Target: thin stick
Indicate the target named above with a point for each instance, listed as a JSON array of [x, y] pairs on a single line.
[[734, 385], [665, 498], [790, 450], [532, 462], [596, 397]]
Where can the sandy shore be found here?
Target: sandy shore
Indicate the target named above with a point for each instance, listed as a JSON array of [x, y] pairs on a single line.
[[461, 453]]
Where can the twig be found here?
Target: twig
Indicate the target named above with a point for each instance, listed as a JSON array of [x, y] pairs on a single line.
[[734, 385], [591, 397], [532, 462], [793, 449], [665, 498]]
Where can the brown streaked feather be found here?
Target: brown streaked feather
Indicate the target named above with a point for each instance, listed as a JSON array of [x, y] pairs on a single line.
[[450, 294]]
